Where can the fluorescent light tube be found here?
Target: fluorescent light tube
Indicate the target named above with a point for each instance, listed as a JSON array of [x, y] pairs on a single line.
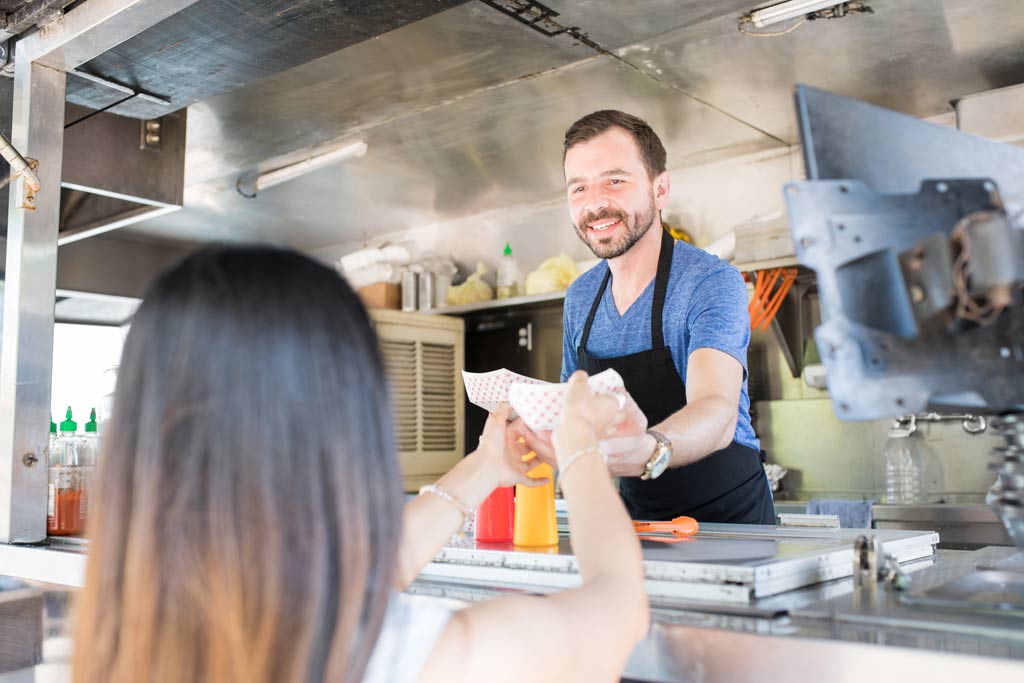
[[792, 9], [286, 173]]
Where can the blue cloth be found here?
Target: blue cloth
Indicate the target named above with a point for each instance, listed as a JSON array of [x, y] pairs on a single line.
[[853, 514], [705, 307]]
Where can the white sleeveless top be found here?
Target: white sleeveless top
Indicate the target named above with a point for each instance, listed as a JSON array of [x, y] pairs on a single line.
[[409, 635]]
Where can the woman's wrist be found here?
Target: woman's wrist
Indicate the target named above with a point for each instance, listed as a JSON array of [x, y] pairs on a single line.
[[475, 477], [570, 459], [568, 439]]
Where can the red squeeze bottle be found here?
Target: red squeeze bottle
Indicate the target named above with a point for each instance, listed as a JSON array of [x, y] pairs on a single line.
[[494, 517]]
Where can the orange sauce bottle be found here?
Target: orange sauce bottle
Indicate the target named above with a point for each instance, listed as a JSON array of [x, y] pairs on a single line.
[[535, 521]]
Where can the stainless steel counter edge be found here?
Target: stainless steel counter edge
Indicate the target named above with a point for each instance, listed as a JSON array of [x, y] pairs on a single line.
[[674, 653], [41, 563], [937, 512]]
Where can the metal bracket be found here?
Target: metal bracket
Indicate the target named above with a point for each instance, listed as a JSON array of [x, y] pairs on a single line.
[[24, 168], [905, 425], [531, 14], [887, 353]]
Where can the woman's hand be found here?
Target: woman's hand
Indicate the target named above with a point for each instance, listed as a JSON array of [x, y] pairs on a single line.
[[501, 450], [585, 417]]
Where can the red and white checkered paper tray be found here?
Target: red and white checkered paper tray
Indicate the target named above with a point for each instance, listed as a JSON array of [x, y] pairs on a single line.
[[538, 403], [540, 406], [490, 389]]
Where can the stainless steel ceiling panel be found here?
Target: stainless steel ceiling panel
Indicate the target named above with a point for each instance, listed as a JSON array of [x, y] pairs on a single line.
[[500, 147], [913, 56], [613, 24], [401, 75], [215, 46]]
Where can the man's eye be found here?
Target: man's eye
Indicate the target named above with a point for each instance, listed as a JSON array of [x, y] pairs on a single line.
[[577, 189], [615, 181]]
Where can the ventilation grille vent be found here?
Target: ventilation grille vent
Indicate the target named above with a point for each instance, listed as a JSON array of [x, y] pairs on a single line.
[[423, 358]]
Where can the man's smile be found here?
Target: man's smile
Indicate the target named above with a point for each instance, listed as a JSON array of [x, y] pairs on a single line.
[[605, 225]]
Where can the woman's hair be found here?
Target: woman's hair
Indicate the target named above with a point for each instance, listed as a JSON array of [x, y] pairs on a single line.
[[244, 523]]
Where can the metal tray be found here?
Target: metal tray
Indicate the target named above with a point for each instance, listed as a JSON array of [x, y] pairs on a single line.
[[724, 562]]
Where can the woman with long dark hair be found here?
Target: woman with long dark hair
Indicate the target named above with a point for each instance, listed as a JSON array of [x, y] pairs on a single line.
[[247, 522]]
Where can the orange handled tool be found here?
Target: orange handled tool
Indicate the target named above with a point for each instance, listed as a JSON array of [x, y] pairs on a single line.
[[683, 527]]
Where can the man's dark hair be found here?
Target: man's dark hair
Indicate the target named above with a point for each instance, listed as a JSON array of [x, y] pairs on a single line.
[[590, 126]]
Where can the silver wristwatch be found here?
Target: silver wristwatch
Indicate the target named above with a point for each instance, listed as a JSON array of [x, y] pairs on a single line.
[[661, 457]]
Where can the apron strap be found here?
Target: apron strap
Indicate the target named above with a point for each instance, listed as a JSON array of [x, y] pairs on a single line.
[[593, 311], [658, 303], [660, 288]]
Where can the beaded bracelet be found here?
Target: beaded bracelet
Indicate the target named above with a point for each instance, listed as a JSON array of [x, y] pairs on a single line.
[[576, 456], [445, 494]]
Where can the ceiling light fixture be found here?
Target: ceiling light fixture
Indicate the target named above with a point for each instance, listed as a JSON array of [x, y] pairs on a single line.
[[791, 9], [801, 10], [250, 187]]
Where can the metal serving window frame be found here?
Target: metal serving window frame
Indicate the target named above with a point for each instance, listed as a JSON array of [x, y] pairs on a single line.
[[26, 339]]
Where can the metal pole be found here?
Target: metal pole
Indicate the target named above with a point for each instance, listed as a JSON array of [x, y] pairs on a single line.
[[26, 351]]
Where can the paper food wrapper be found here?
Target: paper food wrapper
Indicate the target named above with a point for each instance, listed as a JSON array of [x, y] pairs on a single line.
[[539, 403]]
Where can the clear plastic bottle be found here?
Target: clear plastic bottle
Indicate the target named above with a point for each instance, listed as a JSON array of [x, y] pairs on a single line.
[[508, 275], [53, 439], [88, 449], [64, 513], [903, 468]]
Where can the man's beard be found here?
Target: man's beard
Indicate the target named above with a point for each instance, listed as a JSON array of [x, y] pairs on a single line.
[[612, 247]]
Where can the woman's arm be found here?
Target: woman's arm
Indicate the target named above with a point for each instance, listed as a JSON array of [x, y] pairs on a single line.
[[429, 520], [583, 634]]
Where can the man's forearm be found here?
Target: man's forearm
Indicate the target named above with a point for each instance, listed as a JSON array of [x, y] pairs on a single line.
[[699, 429]]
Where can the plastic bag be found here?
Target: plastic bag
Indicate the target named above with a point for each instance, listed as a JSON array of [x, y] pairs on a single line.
[[473, 290], [554, 274]]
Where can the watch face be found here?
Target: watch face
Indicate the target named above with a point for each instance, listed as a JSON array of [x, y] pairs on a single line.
[[661, 462]]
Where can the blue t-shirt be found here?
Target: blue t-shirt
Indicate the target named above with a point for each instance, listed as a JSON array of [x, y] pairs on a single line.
[[705, 308]]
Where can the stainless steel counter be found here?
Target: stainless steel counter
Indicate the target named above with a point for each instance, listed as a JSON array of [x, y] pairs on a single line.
[[960, 527], [828, 632]]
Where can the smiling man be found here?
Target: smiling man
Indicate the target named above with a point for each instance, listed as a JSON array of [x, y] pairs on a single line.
[[672, 320]]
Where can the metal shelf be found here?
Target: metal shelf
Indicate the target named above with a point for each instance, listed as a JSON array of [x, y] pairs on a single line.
[[780, 262], [494, 304]]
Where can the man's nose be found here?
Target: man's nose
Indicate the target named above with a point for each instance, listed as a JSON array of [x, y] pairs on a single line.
[[595, 199]]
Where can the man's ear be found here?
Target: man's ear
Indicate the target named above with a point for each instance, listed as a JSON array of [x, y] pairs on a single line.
[[662, 185]]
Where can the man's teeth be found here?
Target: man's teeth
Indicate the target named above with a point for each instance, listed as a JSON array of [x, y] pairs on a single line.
[[603, 225]]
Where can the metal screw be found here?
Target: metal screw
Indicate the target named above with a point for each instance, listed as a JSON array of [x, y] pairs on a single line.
[[917, 294], [152, 139], [806, 242], [989, 186], [29, 459], [1004, 352], [942, 188], [153, 126]]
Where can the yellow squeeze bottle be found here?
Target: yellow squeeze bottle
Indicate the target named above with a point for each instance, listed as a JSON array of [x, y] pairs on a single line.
[[535, 522]]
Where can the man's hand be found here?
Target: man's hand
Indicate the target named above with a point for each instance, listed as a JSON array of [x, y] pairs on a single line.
[[628, 455], [632, 423], [501, 452], [539, 443], [629, 446]]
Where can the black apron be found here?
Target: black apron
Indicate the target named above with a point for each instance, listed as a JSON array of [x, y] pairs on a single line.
[[726, 486]]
